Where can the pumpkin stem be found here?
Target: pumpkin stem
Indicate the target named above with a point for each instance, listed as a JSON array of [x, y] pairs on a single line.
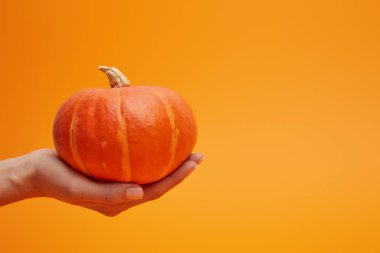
[[116, 78]]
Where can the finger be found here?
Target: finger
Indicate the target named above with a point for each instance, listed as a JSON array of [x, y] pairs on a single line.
[[159, 188], [196, 157], [106, 193]]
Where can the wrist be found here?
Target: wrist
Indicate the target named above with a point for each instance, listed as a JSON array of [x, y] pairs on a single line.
[[16, 179], [21, 174]]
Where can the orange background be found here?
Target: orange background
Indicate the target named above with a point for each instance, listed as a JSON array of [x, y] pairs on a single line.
[[287, 99]]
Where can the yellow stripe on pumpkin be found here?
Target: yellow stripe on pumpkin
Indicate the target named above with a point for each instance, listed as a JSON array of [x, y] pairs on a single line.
[[73, 135], [122, 136], [175, 131]]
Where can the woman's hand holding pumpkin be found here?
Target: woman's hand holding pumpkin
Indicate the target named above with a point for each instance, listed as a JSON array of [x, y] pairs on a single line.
[[43, 174]]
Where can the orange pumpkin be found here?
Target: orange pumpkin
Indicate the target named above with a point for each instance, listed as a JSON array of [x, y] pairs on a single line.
[[125, 134]]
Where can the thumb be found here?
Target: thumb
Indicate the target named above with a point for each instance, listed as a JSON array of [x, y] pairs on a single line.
[[107, 193]]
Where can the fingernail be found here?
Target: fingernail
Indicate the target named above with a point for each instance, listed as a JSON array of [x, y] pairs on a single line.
[[192, 165], [199, 158], [135, 193]]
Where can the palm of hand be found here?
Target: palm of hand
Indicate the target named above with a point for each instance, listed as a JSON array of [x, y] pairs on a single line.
[[56, 179]]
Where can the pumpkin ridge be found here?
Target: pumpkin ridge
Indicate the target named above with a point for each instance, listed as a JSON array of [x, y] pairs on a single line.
[[122, 136], [175, 131], [73, 134]]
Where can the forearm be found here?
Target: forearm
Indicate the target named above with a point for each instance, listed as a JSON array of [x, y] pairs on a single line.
[[15, 176]]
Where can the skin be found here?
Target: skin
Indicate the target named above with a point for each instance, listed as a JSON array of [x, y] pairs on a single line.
[[42, 173]]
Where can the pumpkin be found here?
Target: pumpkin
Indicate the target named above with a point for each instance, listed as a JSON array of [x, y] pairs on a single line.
[[125, 133]]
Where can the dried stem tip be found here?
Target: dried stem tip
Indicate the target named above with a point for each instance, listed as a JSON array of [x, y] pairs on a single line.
[[116, 78]]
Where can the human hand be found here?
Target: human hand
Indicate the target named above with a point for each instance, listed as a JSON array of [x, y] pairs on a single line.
[[46, 175]]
